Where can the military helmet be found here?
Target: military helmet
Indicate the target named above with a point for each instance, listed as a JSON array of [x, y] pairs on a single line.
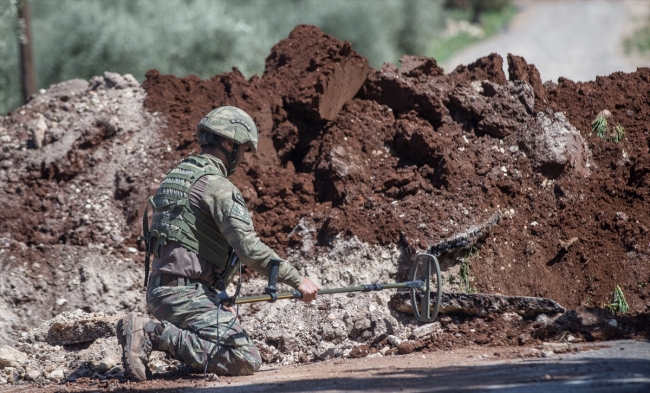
[[232, 123]]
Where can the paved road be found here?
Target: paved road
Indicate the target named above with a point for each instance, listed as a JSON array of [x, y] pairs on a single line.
[[576, 39], [615, 366]]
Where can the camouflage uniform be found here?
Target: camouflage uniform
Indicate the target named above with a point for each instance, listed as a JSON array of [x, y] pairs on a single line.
[[191, 315], [197, 331]]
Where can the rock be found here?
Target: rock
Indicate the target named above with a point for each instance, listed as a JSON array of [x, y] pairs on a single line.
[[83, 328], [38, 132], [485, 109], [326, 350], [557, 347], [393, 340], [553, 145], [11, 357], [543, 319], [405, 348], [56, 375], [105, 364], [32, 373], [3, 381], [612, 322], [362, 324], [480, 304], [425, 331], [547, 354]]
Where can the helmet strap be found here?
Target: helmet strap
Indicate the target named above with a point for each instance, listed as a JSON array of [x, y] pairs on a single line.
[[230, 156]]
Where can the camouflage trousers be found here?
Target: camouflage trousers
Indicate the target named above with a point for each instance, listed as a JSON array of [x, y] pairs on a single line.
[[194, 323]]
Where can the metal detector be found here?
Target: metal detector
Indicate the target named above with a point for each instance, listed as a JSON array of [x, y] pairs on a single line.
[[423, 276]]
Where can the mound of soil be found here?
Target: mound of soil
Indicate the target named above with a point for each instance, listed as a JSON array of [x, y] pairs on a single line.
[[417, 157]]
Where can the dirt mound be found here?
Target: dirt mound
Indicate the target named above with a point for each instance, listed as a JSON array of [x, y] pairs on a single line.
[[418, 157]]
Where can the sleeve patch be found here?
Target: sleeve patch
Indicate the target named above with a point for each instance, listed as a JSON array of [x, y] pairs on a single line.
[[239, 210]]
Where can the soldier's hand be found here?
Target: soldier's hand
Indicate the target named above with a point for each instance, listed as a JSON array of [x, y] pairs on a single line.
[[232, 310], [308, 289]]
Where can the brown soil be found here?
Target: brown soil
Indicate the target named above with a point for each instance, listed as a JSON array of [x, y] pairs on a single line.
[[394, 166]]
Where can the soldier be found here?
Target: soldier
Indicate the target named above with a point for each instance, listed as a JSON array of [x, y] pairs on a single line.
[[200, 225]]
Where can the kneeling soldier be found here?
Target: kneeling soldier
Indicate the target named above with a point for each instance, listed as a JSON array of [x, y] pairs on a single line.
[[200, 226]]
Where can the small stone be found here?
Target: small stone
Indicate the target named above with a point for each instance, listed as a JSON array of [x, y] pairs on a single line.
[[556, 347], [56, 375], [375, 355], [393, 340], [570, 338], [105, 364], [362, 324], [426, 330], [547, 354], [612, 322], [132, 250], [384, 350], [543, 319], [372, 308], [3, 381], [11, 357], [61, 301], [32, 374]]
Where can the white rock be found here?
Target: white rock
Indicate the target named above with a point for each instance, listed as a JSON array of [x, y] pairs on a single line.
[[11, 357], [61, 301], [3, 381], [612, 322], [56, 375], [547, 354], [426, 330], [375, 355], [393, 340], [543, 319], [132, 250], [32, 373]]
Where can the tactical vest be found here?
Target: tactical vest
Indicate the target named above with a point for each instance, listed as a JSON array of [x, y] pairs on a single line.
[[176, 219]]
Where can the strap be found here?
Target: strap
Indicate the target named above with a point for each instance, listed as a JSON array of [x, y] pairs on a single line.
[[145, 233], [169, 206]]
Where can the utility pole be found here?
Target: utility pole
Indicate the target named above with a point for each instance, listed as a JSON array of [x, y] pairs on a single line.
[[28, 71]]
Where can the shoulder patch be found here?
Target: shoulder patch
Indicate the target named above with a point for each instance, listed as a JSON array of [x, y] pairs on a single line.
[[239, 209], [239, 198]]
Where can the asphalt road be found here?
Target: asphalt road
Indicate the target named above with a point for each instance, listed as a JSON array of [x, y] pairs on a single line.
[[576, 39], [614, 366]]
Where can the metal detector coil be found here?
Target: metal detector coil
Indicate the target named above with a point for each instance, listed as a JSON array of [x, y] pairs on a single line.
[[423, 268]]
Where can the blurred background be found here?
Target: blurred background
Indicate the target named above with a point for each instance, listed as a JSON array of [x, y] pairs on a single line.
[[82, 38]]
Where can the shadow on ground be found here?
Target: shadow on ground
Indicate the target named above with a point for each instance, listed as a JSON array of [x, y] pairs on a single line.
[[598, 374]]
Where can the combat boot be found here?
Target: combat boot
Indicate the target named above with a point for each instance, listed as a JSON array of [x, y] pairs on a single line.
[[137, 336]]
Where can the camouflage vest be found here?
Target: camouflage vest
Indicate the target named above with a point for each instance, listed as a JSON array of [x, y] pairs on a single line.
[[176, 219]]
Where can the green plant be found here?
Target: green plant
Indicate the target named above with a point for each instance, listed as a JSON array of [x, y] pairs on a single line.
[[601, 127], [466, 278], [619, 304], [619, 133]]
